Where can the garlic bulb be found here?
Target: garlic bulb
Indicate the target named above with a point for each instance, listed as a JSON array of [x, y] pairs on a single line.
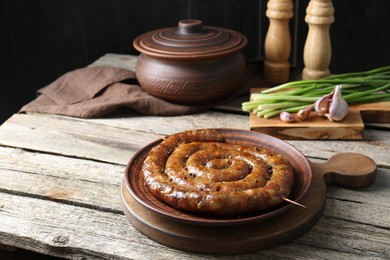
[[338, 108]]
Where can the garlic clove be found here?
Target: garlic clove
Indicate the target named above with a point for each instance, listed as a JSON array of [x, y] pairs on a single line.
[[286, 117], [338, 108], [304, 114], [321, 106]]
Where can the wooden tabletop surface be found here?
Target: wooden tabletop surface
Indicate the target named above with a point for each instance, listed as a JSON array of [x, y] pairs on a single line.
[[60, 189]]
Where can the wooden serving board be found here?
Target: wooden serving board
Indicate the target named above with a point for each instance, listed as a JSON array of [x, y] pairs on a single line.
[[340, 169], [350, 128]]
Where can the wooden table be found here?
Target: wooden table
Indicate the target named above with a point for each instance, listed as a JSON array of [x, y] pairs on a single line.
[[60, 189]]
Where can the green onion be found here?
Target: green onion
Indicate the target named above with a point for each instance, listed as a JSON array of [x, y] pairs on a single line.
[[357, 88]]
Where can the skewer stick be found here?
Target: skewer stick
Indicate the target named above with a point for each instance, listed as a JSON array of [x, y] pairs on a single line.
[[294, 202], [156, 134]]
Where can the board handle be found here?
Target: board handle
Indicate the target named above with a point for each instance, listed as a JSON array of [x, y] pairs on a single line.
[[349, 170]]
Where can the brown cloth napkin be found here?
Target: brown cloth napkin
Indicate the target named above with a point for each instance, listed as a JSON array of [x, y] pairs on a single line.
[[93, 92]]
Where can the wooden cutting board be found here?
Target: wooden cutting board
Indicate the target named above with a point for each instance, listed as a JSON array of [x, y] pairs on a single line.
[[341, 169], [350, 128]]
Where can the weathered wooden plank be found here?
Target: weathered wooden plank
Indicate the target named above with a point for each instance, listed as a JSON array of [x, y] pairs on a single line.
[[102, 196], [169, 125], [117, 139], [50, 227], [96, 185], [359, 212], [73, 181], [84, 138], [352, 237], [374, 139], [365, 231], [377, 194], [376, 146], [54, 166], [376, 142], [294, 251], [73, 138]]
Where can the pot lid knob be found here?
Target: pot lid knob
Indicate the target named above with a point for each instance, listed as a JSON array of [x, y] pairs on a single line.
[[190, 26]]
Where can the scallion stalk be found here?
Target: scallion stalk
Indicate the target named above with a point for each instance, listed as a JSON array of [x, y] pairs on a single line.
[[357, 87]]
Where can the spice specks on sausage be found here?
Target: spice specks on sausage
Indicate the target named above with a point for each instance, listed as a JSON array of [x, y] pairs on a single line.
[[197, 171]]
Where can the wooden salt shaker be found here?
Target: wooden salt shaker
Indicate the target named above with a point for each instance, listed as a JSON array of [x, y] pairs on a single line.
[[278, 41], [317, 51]]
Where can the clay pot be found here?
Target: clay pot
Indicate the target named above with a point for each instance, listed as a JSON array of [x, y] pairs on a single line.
[[191, 63]]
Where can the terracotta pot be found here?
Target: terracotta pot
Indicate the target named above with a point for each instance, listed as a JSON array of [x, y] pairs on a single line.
[[191, 63]]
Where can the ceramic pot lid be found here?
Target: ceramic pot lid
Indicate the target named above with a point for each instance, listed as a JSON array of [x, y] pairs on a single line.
[[190, 40]]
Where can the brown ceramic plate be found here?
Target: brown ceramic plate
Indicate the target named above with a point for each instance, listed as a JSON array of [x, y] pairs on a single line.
[[303, 174]]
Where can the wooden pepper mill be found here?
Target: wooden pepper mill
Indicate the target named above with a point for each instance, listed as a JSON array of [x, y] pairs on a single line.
[[278, 41], [317, 51]]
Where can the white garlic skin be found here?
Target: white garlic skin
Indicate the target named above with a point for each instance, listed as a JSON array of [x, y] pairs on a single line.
[[338, 108]]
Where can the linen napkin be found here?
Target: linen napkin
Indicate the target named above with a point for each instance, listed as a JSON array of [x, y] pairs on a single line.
[[93, 92]]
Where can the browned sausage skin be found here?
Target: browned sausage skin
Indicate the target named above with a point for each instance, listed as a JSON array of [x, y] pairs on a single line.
[[197, 171]]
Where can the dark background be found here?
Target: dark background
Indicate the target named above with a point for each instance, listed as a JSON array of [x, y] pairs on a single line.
[[43, 39]]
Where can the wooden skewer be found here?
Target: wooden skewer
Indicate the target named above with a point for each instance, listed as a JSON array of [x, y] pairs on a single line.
[[294, 202], [156, 134]]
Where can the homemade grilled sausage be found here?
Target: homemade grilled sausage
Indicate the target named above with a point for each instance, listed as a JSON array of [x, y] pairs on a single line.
[[197, 171]]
